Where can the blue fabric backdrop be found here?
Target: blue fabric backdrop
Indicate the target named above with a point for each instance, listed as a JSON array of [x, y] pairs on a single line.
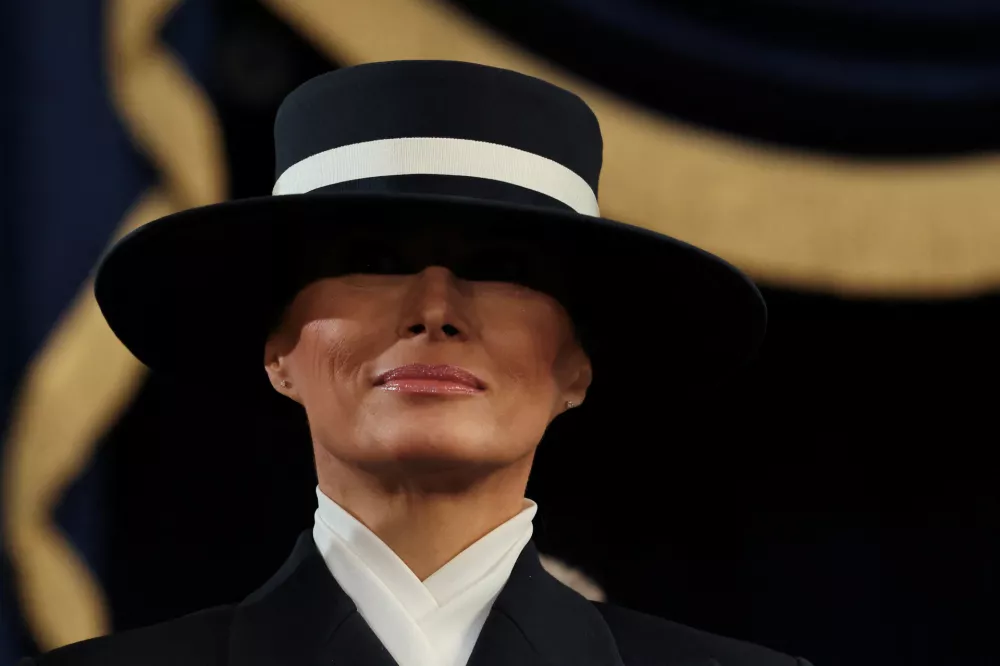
[[70, 172]]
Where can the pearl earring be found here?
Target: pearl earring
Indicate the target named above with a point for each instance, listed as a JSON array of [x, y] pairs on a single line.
[[285, 384], [570, 404]]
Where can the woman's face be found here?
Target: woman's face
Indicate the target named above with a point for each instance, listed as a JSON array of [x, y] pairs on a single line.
[[427, 369]]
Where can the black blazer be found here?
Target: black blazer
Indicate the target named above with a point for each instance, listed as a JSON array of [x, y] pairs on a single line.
[[301, 617]]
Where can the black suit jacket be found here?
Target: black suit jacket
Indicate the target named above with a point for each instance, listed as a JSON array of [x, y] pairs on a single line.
[[301, 617]]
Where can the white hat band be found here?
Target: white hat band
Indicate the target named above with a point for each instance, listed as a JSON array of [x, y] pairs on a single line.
[[439, 156]]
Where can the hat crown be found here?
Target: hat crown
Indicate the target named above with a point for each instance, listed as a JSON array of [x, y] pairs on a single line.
[[512, 127]]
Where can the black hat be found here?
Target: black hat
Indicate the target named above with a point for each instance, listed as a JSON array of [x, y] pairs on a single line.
[[387, 166]]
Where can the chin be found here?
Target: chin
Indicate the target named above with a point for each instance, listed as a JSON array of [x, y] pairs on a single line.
[[445, 439], [418, 438]]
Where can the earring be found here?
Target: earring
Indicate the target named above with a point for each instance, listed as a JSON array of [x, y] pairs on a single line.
[[570, 404], [285, 384]]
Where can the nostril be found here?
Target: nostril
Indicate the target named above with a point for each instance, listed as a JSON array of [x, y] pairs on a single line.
[[449, 330], [416, 329]]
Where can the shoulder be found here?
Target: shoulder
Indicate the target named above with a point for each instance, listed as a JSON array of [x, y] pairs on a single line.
[[640, 637], [198, 639]]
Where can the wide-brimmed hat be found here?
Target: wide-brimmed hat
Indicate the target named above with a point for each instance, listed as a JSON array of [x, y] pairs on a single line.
[[386, 167]]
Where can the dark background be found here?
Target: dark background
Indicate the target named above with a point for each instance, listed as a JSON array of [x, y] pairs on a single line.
[[837, 500]]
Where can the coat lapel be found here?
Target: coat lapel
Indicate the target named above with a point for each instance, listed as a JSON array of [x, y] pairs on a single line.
[[302, 617], [537, 620]]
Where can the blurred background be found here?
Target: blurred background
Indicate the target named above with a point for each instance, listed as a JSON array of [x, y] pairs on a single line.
[[838, 500]]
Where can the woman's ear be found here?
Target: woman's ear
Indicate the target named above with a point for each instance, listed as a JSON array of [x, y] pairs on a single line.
[[276, 366], [576, 376], [576, 391]]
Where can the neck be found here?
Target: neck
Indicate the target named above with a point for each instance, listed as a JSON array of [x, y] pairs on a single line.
[[426, 517]]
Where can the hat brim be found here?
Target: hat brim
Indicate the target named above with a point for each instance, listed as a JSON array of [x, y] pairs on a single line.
[[206, 281]]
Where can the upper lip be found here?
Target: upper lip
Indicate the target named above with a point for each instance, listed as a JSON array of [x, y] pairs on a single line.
[[423, 371]]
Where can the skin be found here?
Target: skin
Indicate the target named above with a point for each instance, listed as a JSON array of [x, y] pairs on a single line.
[[428, 474]]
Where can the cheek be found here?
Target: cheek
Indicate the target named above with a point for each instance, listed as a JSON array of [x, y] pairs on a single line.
[[525, 354], [333, 355]]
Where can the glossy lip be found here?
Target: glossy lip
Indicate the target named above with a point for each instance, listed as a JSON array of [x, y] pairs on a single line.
[[437, 373]]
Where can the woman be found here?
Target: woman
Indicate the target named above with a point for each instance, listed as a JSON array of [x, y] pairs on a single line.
[[432, 283]]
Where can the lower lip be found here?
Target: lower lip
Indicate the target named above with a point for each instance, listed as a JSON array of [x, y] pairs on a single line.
[[429, 387]]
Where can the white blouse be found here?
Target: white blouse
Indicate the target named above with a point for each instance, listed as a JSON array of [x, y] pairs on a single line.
[[435, 622]]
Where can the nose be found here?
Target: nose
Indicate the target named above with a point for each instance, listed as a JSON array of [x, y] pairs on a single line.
[[435, 307]]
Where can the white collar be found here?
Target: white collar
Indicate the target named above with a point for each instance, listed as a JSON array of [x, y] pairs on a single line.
[[430, 623]]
